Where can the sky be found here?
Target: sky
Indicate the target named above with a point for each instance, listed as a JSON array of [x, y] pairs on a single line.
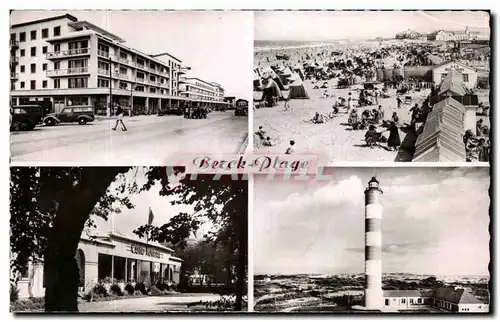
[[332, 25], [217, 45], [130, 219], [435, 221]]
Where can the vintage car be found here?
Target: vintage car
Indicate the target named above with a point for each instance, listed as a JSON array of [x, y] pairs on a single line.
[[170, 111], [25, 117], [80, 114]]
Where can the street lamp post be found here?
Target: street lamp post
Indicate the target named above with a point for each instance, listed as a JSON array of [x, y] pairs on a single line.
[[110, 89]]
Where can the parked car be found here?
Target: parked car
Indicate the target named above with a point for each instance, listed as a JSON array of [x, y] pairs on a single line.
[[241, 111], [25, 117], [80, 114], [170, 111], [241, 108]]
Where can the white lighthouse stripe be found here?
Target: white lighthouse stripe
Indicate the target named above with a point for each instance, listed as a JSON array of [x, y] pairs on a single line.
[[373, 238], [373, 211], [374, 267], [373, 283]]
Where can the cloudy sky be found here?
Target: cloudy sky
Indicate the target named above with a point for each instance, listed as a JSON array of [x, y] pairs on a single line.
[[324, 25], [130, 219], [218, 46], [435, 222]]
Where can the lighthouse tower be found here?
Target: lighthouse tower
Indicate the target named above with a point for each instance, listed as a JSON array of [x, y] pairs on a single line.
[[373, 246]]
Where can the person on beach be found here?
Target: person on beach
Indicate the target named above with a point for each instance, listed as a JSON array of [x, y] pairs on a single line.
[[287, 105], [371, 136], [318, 118], [349, 102], [398, 100], [479, 127], [380, 114], [267, 142], [484, 151], [394, 141], [395, 117], [260, 133], [375, 94], [119, 119], [289, 150]]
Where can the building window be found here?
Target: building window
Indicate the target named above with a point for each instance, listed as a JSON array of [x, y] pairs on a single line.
[[57, 47], [45, 33], [123, 71], [33, 84], [22, 68], [57, 65], [22, 84], [419, 301], [33, 51], [386, 301], [22, 37], [152, 90], [33, 68], [57, 83], [57, 31], [403, 301], [23, 52], [33, 35], [465, 77], [44, 67], [123, 85], [102, 83], [44, 84], [411, 301], [81, 82], [44, 49]]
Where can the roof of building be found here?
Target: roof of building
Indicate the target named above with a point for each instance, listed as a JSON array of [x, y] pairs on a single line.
[[85, 25], [66, 16], [453, 82], [455, 296], [441, 139], [453, 62], [408, 293]]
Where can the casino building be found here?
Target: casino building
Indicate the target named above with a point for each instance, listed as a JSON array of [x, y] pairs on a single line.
[[111, 255]]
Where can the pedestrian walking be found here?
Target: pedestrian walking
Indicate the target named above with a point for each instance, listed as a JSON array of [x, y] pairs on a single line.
[[398, 99], [119, 119]]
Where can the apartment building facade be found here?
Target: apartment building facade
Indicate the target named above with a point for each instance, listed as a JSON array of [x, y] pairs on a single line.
[[75, 63], [202, 92]]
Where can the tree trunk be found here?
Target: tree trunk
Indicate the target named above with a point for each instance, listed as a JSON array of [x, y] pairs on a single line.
[[75, 204], [241, 268]]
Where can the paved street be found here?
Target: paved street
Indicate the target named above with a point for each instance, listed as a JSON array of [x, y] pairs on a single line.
[[178, 302], [149, 140]]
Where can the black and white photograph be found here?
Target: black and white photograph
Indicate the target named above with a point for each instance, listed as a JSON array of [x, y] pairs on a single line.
[[128, 87], [379, 86], [376, 240], [127, 239]]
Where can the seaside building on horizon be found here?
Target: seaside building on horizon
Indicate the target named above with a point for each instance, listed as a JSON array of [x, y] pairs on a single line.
[[66, 62]]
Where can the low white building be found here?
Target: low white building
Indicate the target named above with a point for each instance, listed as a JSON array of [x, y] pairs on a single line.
[[113, 255], [443, 298], [469, 74]]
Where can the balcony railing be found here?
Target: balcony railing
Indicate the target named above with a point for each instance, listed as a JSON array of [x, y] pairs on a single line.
[[14, 43], [102, 53], [67, 72], [14, 60], [68, 53]]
